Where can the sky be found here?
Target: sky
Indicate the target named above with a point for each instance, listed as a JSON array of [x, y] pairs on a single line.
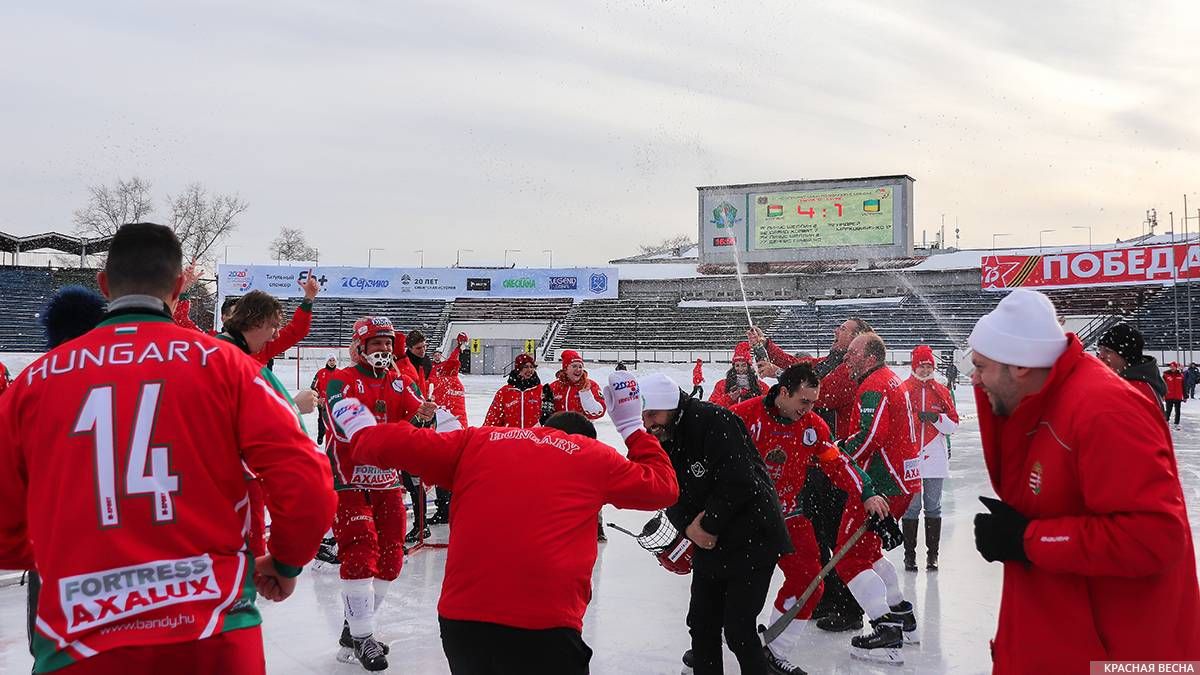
[[462, 129]]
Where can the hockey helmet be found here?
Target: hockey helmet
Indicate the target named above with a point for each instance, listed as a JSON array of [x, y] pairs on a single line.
[[367, 328]]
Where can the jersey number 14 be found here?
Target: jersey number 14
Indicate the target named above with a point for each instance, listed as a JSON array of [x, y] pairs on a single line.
[[97, 418]]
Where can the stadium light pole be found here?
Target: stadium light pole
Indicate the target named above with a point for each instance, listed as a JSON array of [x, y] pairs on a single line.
[[506, 252], [1040, 233], [420, 257], [458, 257], [369, 252], [227, 247], [1089, 229], [550, 252]]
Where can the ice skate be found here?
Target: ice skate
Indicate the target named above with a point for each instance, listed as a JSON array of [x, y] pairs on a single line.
[[779, 665], [908, 621], [883, 644], [367, 652]]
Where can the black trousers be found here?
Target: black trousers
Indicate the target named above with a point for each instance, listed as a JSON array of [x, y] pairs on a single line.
[[479, 648], [442, 499], [1176, 406], [824, 503], [320, 427], [411, 484], [729, 598]]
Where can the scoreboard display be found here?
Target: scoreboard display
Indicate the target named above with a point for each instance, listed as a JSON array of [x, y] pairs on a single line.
[[839, 219]]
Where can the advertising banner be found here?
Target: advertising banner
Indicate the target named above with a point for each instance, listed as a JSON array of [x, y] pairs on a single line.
[[424, 283], [1162, 265]]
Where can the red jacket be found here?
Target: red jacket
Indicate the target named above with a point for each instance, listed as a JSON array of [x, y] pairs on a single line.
[[182, 316], [1174, 380], [290, 335], [698, 373], [566, 394], [788, 448], [884, 441], [928, 396], [320, 384], [123, 478], [392, 398], [448, 390], [837, 389], [3, 378], [721, 397], [538, 574], [1113, 568], [515, 407]]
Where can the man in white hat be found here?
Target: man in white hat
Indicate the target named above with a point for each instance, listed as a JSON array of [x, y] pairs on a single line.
[[728, 507], [1091, 525]]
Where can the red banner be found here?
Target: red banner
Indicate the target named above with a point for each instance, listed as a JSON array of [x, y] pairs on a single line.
[[1123, 266]]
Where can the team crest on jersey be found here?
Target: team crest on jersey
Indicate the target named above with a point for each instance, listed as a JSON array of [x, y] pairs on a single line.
[[698, 469], [1035, 478], [398, 386], [777, 456], [810, 436]]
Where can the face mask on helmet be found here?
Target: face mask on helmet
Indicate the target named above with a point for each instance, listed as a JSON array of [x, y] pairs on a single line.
[[378, 360]]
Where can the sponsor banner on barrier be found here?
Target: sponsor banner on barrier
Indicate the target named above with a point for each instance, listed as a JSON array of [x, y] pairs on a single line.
[[426, 283], [1163, 265]]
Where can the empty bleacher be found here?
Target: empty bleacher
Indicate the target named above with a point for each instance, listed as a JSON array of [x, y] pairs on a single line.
[[656, 324], [25, 291], [1156, 318], [333, 318], [510, 309]]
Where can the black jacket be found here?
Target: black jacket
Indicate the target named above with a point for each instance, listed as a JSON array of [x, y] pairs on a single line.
[[1146, 370], [721, 473]]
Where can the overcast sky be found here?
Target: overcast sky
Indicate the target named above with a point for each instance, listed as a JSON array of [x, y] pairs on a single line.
[[584, 127]]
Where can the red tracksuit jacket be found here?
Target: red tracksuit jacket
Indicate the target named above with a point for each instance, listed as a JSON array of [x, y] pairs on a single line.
[[121, 475], [1113, 567], [566, 395], [536, 574], [721, 397], [513, 407], [1174, 380]]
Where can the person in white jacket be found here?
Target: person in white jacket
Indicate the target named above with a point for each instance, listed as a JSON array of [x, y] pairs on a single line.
[[933, 418]]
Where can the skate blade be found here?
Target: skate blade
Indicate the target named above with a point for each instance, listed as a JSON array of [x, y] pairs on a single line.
[[891, 656], [912, 637], [687, 670], [346, 655]]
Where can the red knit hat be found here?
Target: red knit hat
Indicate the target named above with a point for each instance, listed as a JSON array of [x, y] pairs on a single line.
[[742, 353], [923, 354], [570, 356], [524, 359]]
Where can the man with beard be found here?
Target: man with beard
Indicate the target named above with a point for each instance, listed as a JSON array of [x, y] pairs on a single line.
[[728, 507], [1091, 524], [518, 403]]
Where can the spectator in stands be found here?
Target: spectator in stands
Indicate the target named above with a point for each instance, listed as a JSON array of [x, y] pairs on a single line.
[[837, 610], [934, 418], [518, 403], [1191, 377], [1174, 379], [1121, 350], [740, 383], [448, 393], [319, 383]]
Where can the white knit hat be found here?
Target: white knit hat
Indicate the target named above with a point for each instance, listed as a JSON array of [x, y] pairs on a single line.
[[659, 392], [1023, 331]]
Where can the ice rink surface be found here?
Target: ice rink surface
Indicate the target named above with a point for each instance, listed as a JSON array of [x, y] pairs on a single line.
[[635, 622]]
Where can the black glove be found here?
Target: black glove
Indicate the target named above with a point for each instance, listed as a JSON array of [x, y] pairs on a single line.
[[930, 417], [888, 530], [1000, 535]]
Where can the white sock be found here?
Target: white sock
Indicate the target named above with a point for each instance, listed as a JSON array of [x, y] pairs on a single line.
[[887, 571], [329, 533], [868, 589], [358, 599], [381, 589], [784, 644]]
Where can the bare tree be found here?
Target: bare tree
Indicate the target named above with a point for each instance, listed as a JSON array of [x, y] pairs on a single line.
[[291, 245], [201, 220], [109, 208], [682, 242]]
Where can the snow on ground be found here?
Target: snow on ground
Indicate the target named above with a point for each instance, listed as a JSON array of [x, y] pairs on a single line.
[[635, 623]]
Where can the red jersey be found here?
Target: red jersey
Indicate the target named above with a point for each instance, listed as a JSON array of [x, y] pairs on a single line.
[[883, 440], [448, 390], [538, 574], [837, 389], [788, 448], [566, 395], [320, 383], [122, 477], [3, 378], [290, 335], [391, 397]]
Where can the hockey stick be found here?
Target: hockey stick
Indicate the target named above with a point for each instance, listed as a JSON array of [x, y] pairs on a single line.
[[773, 631], [618, 528]]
